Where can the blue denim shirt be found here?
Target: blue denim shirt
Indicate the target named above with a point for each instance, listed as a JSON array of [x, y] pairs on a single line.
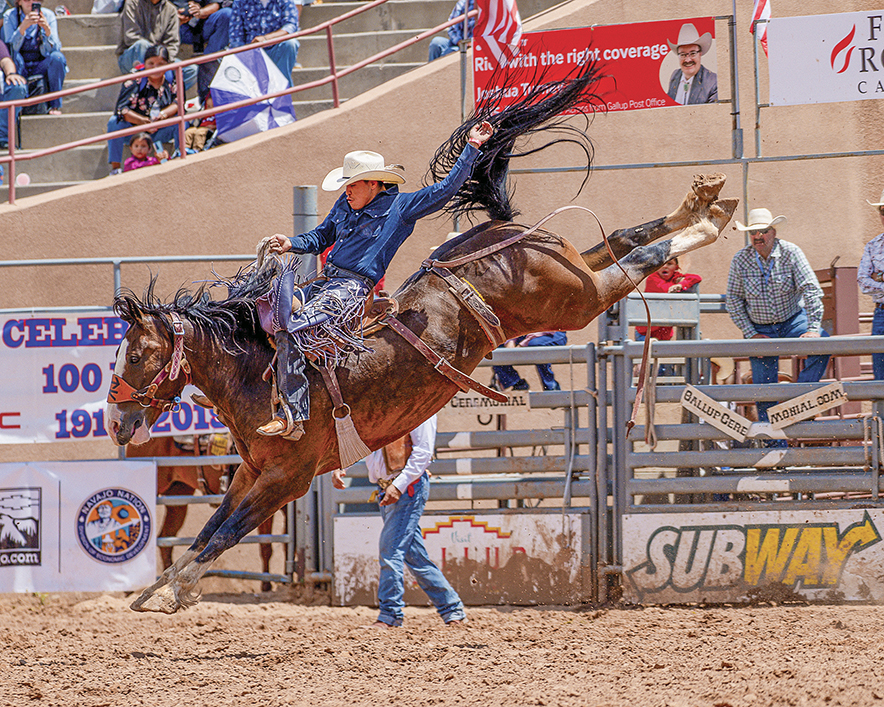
[[366, 240], [250, 19]]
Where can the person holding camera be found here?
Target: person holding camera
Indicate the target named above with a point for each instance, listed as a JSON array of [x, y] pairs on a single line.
[[142, 102], [31, 33]]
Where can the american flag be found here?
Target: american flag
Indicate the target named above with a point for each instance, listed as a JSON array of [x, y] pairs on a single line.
[[500, 26], [762, 12]]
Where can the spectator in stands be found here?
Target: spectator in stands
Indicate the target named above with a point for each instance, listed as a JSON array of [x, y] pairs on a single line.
[[692, 83], [143, 153], [506, 376], [204, 24], [12, 88], [259, 20], [32, 37], [768, 280], [440, 46], [147, 23], [400, 471], [144, 101], [666, 279], [870, 277]]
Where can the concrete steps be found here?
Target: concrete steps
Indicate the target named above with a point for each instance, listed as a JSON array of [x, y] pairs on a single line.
[[90, 47]]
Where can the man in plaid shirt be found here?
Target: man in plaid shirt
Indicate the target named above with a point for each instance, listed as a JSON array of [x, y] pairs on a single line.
[[769, 281], [870, 277]]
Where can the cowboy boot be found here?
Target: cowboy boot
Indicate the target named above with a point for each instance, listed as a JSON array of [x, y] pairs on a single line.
[[294, 394]]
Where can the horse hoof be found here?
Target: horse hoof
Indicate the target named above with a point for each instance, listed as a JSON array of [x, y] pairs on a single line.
[[162, 601], [708, 186]]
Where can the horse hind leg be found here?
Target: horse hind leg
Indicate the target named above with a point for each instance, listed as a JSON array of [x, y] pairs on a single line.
[[704, 192], [613, 285]]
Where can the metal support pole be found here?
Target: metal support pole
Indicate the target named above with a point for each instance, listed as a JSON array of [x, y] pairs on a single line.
[[590, 543], [305, 534], [737, 141], [290, 548], [305, 217], [601, 510]]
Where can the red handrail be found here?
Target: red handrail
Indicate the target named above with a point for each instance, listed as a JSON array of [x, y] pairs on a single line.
[[181, 118]]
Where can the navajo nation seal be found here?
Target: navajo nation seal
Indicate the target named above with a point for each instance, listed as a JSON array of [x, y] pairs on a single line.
[[113, 525]]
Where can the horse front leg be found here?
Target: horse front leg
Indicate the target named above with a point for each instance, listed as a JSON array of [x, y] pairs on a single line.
[[613, 284], [243, 481], [704, 191], [269, 494]]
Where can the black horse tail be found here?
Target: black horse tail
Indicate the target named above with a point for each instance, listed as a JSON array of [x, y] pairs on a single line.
[[538, 111]]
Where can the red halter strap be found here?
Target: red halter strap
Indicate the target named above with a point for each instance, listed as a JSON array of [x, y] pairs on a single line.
[[121, 392]]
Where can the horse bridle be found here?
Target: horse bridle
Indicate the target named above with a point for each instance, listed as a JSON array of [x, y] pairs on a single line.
[[121, 392]]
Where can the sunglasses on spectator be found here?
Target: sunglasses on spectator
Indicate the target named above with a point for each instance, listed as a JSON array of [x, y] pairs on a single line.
[[881, 210], [685, 55], [765, 231]]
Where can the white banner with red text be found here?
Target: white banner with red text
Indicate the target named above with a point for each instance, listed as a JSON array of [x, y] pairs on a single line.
[[826, 58], [58, 368], [77, 526]]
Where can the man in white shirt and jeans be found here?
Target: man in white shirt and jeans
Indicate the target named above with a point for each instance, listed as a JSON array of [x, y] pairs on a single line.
[[404, 487]]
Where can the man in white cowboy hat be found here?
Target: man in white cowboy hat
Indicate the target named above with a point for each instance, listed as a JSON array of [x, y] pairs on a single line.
[[769, 281], [367, 225], [870, 277], [692, 83]]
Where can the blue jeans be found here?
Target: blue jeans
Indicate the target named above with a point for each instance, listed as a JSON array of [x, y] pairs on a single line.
[[135, 55], [115, 144], [9, 93], [878, 330], [52, 68], [215, 37], [507, 376], [402, 543], [440, 46], [766, 369], [285, 56]]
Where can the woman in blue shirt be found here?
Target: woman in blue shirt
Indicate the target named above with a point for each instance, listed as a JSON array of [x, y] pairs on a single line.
[[367, 225], [32, 38]]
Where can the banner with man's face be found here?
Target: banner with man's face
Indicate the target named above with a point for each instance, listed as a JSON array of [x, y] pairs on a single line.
[[644, 65]]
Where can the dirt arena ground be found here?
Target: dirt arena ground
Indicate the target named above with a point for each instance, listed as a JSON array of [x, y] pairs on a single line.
[[269, 650]]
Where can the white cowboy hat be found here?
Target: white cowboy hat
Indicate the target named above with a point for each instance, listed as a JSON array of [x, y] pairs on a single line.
[[360, 165], [688, 35], [759, 220], [879, 203]]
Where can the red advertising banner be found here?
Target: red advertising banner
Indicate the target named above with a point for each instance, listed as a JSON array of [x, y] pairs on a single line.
[[645, 65]]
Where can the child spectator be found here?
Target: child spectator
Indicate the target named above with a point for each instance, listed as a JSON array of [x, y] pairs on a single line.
[[507, 377], [144, 101], [666, 279], [143, 155], [200, 131]]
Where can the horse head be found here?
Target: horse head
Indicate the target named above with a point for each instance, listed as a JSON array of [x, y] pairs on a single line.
[[150, 372]]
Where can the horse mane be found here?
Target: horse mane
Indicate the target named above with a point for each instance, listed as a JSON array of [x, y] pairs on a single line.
[[231, 322], [538, 112]]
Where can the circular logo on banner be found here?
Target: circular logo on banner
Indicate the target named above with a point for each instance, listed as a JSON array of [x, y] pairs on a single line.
[[113, 525], [232, 74]]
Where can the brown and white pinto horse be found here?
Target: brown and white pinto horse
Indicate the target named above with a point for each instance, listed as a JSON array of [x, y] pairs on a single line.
[[539, 283]]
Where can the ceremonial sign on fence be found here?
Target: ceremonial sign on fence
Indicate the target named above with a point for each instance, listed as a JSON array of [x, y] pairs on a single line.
[[477, 404], [714, 413], [77, 526], [806, 406], [826, 58], [57, 372], [637, 63]]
